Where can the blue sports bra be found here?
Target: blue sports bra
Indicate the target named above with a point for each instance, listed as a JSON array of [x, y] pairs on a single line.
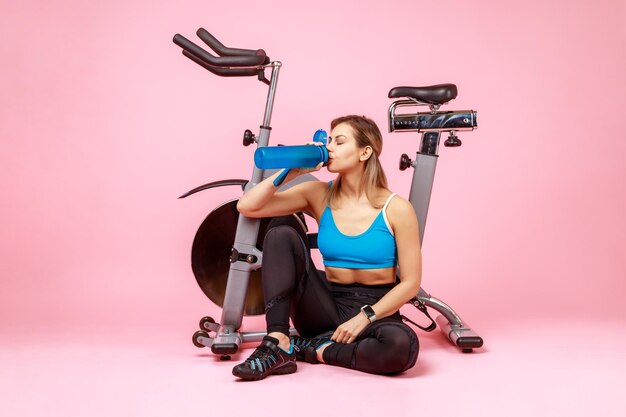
[[374, 248]]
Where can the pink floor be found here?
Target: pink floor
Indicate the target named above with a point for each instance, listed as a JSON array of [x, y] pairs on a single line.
[[570, 367]]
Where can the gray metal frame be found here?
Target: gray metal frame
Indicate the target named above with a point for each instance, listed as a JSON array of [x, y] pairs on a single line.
[[450, 323], [228, 337]]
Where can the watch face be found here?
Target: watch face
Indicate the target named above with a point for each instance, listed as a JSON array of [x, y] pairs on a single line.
[[369, 311]]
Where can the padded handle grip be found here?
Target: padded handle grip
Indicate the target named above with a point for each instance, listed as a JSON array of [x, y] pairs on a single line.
[[222, 72], [222, 50], [225, 61]]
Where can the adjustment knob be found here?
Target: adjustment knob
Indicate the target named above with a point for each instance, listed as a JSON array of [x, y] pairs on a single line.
[[453, 140], [248, 137], [405, 162]]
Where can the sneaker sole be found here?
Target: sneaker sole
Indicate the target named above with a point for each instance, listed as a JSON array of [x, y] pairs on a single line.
[[289, 368]]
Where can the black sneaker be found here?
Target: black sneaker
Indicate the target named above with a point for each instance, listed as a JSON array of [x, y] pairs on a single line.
[[306, 347], [267, 359]]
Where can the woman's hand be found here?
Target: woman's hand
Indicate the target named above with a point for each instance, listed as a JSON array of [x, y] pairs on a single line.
[[348, 331], [301, 171]]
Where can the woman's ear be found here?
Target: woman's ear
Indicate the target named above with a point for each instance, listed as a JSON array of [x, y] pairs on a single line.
[[365, 153]]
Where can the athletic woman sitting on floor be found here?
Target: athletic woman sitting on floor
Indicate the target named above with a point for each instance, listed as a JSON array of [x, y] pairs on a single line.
[[348, 314]]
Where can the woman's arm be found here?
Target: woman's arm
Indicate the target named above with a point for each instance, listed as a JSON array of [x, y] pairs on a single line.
[[406, 232], [263, 201]]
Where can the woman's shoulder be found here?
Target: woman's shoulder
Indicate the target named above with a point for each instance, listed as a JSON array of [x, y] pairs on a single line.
[[399, 208], [385, 196], [316, 194]]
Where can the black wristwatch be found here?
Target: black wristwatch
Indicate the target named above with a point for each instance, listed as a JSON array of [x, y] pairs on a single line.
[[369, 313]]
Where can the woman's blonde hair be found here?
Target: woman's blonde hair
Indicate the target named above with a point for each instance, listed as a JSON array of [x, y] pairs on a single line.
[[366, 133]]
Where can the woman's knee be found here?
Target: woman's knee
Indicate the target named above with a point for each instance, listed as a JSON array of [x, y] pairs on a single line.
[[406, 345], [398, 348], [289, 225], [282, 238]]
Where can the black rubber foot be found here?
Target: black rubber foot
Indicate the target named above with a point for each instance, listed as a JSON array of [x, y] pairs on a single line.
[[225, 357], [224, 348]]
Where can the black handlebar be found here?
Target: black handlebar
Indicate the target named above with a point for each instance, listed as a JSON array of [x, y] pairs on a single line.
[[228, 58], [222, 50], [222, 72], [225, 61]]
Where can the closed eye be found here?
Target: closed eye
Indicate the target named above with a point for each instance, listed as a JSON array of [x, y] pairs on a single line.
[[330, 139]]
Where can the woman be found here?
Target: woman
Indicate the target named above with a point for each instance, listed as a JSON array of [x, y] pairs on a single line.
[[348, 314]]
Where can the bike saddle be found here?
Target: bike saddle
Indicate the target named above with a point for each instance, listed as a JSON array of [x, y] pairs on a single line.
[[434, 94]]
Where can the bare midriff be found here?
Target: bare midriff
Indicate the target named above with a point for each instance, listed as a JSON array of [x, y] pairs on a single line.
[[377, 276]]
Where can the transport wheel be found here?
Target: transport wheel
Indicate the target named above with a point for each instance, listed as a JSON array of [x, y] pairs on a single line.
[[196, 338], [204, 321]]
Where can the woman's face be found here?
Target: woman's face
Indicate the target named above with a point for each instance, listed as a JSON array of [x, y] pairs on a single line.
[[343, 152]]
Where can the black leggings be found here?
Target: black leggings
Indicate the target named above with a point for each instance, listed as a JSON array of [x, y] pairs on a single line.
[[293, 287]]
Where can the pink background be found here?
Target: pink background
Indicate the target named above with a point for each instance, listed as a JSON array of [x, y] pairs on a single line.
[[104, 124]]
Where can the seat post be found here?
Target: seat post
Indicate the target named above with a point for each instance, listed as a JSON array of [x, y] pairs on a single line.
[[424, 165]]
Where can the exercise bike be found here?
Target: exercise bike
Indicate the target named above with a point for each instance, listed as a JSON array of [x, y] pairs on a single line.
[[227, 250]]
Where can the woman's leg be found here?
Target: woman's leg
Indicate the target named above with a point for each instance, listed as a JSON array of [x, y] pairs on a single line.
[[292, 287], [385, 347], [289, 278]]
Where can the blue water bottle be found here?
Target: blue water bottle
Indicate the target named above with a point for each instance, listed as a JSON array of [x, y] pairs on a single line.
[[300, 156]]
